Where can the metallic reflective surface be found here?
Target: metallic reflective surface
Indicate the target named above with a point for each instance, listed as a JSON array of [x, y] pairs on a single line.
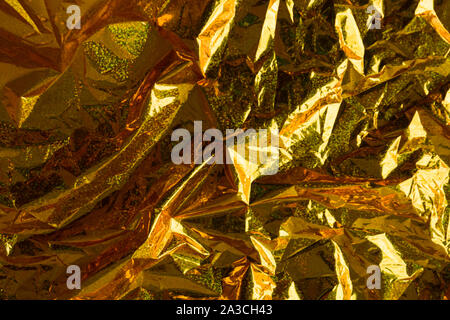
[[86, 176]]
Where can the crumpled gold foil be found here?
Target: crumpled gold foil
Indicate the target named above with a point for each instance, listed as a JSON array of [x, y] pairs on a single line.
[[86, 176]]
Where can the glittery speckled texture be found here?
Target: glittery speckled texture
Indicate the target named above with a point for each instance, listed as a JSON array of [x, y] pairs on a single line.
[[86, 177]]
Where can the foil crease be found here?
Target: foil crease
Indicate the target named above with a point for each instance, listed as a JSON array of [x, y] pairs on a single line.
[[86, 177]]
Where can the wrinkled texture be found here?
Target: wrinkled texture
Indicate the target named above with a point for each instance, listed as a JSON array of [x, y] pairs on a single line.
[[86, 176]]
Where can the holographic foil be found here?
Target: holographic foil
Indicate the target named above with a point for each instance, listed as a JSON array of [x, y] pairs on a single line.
[[86, 177]]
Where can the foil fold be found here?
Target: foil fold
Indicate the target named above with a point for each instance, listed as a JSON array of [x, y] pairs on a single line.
[[86, 179]]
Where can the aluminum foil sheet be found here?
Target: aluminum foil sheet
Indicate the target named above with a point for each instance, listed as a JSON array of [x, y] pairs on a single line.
[[358, 91]]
